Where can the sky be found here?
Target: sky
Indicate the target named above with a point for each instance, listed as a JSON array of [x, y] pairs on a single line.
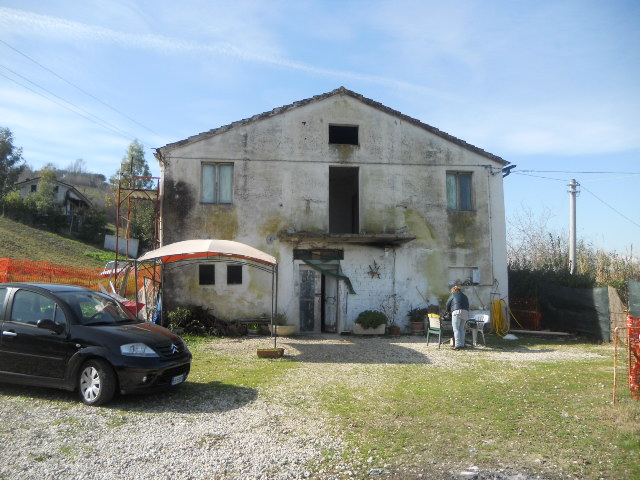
[[551, 86]]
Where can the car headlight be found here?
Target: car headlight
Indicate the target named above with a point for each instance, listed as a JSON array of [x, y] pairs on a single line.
[[137, 350]]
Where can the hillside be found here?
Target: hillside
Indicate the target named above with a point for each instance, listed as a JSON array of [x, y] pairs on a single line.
[[21, 241]]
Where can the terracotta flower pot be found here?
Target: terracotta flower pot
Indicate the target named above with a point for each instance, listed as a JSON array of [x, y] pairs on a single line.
[[270, 352], [417, 328], [393, 330]]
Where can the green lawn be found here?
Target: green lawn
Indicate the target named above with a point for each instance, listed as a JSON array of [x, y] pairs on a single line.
[[550, 418]]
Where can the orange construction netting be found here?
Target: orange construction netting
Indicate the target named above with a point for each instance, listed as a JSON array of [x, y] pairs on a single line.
[[20, 270], [633, 339]]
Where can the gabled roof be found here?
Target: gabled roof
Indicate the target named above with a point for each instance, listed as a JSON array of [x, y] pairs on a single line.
[[69, 187], [317, 98]]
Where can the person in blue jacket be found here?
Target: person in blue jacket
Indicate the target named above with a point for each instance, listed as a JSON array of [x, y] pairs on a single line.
[[458, 306]]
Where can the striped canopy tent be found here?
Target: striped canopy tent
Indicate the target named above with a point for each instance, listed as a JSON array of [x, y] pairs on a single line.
[[221, 251]]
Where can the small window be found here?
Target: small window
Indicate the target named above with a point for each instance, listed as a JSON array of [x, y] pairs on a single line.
[[217, 182], [234, 274], [34, 187], [459, 191], [207, 274], [343, 134]]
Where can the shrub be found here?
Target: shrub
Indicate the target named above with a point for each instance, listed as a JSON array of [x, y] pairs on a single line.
[[371, 319], [179, 318], [196, 320], [417, 314], [280, 318], [93, 226]]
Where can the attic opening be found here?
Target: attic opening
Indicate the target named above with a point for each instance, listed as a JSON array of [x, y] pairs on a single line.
[[343, 134], [343, 200]]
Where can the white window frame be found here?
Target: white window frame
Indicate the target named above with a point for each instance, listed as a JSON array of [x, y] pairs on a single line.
[[215, 191]]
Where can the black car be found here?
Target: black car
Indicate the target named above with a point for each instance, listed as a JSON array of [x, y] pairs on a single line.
[[72, 337]]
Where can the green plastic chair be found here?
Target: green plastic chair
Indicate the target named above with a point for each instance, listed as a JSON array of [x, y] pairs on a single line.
[[438, 326]]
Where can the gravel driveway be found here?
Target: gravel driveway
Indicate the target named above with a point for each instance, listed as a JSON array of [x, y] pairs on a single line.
[[231, 433]]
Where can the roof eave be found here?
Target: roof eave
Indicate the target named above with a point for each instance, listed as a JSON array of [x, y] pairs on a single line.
[[338, 91]]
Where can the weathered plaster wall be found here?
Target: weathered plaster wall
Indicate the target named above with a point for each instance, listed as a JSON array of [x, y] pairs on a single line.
[[250, 299], [281, 182]]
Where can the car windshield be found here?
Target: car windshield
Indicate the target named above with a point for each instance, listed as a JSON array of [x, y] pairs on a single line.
[[93, 308]]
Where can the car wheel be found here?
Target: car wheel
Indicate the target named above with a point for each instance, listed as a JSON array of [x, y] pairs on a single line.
[[96, 383]]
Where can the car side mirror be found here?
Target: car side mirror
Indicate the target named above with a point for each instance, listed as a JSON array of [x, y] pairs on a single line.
[[49, 324]]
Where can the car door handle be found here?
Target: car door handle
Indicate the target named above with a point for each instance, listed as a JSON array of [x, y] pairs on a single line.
[[9, 334]]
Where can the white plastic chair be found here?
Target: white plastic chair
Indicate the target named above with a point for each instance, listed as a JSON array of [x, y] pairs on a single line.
[[476, 324]]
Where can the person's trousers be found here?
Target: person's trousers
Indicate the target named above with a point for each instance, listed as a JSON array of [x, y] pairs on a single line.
[[458, 322]]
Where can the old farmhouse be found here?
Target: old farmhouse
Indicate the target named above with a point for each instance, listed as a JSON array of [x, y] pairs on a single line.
[[357, 202], [74, 203]]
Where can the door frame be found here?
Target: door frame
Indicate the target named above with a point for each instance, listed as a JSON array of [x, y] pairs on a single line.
[[320, 310]]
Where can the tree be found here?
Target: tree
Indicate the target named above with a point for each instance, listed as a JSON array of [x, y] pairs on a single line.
[[11, 163], [133, 165], [47, 209], [45, 197], [134, 172], [78, 166], [93, 226]]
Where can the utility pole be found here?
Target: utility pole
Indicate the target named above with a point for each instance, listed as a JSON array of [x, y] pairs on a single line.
[[573, 193]]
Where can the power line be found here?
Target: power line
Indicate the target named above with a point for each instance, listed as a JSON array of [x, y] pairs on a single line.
[[626, 175], [521, 172], [605, 203], [76, 109], [537, 176], [606, 179], [82, 90]]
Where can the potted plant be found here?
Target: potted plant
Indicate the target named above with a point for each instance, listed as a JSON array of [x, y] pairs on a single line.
[[390, 305], [280, 326], [253, 329], [370, 322], [270, 352], [393, 329], [417, 320]]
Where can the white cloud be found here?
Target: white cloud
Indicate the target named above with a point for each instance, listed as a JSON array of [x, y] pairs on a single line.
[[17, 20], [477, 72], [564, 128]]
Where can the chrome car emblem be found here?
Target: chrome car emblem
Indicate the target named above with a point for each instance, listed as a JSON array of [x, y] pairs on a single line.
[[174, 348]]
